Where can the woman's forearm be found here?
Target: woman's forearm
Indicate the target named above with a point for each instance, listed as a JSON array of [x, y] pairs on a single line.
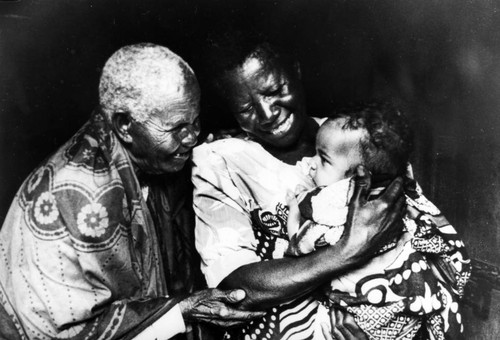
[[369, 225], [270, 283]]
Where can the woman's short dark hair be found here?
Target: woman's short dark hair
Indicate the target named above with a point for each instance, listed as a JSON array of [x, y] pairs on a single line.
[[225, 51]]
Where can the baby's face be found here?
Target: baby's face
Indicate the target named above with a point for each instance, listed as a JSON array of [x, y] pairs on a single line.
[[337, 152]]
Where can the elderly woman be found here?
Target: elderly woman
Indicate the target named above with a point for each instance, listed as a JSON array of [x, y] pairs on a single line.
[[239, 199], [88, 247]]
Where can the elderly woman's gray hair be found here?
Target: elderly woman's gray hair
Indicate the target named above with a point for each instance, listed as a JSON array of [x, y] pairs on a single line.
[[139, 78]]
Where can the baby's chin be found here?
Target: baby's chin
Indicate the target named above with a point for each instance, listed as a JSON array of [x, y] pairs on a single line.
[[320, 183]]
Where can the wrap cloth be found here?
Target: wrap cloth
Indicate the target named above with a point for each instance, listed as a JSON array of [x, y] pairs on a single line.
[[80, 256], [417, 280]]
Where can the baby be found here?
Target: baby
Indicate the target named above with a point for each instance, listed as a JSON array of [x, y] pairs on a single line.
[[401, 289], [377, 136]]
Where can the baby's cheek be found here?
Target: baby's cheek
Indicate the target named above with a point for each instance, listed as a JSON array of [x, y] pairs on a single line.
[[321, 177]]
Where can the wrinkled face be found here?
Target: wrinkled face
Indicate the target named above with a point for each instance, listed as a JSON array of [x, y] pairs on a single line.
[[163, 143], [267, 101], [337, 153]]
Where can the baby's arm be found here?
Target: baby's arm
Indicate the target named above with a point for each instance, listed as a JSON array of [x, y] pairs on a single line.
[[306, 239], [303, 237], [293, 222]]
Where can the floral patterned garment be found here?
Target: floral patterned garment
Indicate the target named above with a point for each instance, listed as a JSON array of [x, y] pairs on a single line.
[[79, 256]]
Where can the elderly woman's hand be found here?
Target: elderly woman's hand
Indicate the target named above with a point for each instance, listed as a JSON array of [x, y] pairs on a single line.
[[343, 327], [372, 224], [217, 307]]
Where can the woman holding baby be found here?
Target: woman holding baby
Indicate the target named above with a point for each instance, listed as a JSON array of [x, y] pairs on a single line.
[[240, 199]]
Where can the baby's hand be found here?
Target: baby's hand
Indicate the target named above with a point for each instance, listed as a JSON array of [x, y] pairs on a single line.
[[293, 222], [305, 240], [300, 192]]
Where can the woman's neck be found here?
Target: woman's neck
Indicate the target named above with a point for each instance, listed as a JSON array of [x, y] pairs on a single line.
[[304, 147]]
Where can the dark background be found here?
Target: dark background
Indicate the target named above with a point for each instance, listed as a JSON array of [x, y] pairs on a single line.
[[439, 59]]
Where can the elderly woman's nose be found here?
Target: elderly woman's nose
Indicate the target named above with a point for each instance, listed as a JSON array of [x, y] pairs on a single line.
[[189, 135]]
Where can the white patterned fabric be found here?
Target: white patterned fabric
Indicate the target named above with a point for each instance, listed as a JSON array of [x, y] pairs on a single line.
[[239, 197], [236, 181]]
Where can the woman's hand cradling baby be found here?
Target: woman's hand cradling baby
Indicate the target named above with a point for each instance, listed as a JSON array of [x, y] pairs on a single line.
[[371, 224]]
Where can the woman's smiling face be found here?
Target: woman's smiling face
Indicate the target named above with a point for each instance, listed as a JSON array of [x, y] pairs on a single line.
[[267, 100]]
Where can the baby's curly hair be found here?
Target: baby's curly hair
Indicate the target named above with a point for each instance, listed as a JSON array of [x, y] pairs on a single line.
[[389, 143]]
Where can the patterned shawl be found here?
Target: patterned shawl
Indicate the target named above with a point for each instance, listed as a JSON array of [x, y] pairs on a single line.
[[79, 253]]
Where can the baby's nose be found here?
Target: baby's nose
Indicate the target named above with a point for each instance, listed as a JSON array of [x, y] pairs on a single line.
[[312, 167]]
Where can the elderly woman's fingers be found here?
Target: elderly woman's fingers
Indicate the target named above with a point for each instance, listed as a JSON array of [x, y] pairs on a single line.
[[217, 307], [232, 296]]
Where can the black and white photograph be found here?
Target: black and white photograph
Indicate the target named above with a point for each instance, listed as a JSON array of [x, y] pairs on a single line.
[[250, 169]]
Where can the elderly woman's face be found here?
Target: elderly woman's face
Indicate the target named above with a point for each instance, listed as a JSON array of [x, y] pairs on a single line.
[[267, 101], [163, 143]]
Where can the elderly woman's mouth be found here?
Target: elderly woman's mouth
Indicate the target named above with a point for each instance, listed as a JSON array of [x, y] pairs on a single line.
[[182, 155]]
